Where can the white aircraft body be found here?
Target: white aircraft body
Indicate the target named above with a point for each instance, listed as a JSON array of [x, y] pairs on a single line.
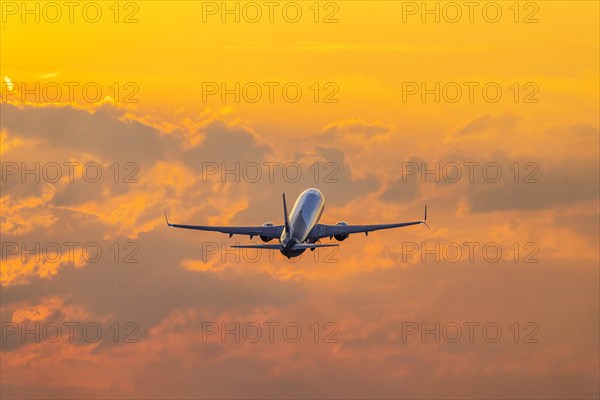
[[301, 229]]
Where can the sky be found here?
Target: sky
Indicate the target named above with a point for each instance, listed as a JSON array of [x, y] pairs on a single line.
[[487, 112]]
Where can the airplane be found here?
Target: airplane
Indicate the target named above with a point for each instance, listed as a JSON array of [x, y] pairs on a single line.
[[301, 229]]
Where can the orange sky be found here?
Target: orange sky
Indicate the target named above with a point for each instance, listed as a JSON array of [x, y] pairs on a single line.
[[143, 101]]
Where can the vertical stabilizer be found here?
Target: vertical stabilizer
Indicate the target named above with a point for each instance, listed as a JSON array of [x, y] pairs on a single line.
[[286, 218]]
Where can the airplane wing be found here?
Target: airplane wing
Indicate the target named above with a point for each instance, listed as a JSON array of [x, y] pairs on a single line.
[[265, 231], [322, 230]]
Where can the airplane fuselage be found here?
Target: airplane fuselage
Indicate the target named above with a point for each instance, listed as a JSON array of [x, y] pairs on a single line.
[[304, 216]]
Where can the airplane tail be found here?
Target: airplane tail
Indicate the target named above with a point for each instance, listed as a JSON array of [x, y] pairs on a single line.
[[286, 218]]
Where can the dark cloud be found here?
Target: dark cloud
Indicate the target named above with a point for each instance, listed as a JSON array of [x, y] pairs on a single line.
[[76, 131], [346, 186], [226, 144], [562, 183]]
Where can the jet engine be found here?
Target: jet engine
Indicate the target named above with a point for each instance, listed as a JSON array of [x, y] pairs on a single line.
[[341, 237], [264, 238]]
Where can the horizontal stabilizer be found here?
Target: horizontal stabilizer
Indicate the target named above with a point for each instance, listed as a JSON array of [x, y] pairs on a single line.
[[259, 246], [299, 246], [312, 245]]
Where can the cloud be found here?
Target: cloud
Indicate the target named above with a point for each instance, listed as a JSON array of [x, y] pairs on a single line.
[[485, 126], [101, 132], [564, 183], [355, 127], [175, 286]]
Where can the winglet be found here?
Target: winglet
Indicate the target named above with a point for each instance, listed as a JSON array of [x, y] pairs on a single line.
[[424, 222], [166, 219]]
